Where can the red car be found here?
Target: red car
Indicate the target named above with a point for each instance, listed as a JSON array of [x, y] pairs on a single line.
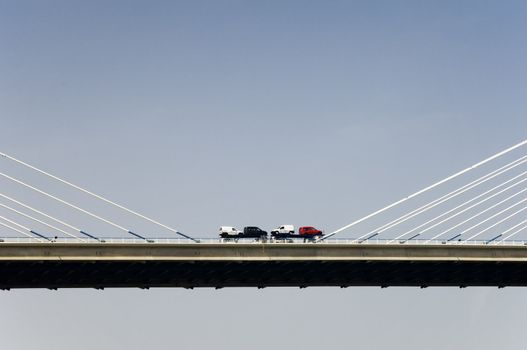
[[309, 231]]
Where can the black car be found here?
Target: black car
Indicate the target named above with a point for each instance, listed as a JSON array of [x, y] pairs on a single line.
[[254, 232]]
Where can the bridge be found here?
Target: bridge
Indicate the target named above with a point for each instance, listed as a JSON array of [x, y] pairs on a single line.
[[208, 264], [466, 237]]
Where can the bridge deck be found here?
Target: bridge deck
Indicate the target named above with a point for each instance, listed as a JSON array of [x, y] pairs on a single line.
[[99, 265]]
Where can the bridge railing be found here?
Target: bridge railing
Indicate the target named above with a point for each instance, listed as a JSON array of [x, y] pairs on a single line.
[[122, 240]]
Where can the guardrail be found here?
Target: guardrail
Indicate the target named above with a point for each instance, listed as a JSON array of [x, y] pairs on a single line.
[[114, 240]]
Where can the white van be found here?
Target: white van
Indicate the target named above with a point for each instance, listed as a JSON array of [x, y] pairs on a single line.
[[229, 231], [284, 229]]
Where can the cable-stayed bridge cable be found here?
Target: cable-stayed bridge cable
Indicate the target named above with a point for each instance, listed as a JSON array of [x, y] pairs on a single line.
[[466, 209], [481, 222], [20, 231], [515, 232], [497, 223], [95, 195], [450, 195], [25, 228], [472, 206], [497, 155], [70, 205], [40, 221], [479, 214], [48, 216]]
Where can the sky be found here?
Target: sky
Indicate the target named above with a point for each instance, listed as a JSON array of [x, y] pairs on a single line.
[[209, 113]]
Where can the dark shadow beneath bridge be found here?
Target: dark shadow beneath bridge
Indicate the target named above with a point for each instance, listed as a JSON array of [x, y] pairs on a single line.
[[145, 274]]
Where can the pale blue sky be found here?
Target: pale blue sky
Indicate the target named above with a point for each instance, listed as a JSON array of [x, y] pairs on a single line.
[[241, 112]]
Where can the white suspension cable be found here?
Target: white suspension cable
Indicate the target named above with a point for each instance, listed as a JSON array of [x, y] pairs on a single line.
[[66, 203], [515, 232], [39, 212], [50, 217], [95, 195], [447, 197], [20, 231], [476, 204], [462, 205], [428, 188], [450, 195], [497, 223], [40, 221], [479, 214], [24, 228], [481, 222], [15, 223]]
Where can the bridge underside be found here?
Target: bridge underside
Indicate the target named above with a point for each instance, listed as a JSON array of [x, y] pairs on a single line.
[[58, 265], [218, 274]]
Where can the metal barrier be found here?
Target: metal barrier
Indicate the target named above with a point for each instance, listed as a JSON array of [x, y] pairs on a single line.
[[113, 240]]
